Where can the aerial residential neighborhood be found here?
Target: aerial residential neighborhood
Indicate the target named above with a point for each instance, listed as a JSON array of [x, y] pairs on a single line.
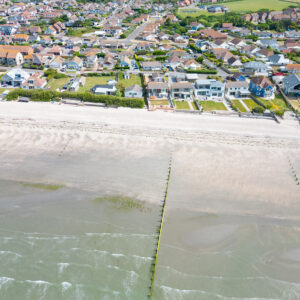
[[195, 56]]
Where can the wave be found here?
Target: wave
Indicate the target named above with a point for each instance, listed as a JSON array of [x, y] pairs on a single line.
[[175, 271], [5, 280], [65, 285], [117, 255], [4, 252], [38, 282]]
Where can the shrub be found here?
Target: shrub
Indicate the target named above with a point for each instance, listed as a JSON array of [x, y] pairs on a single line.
[[60, 75], [258, 110]]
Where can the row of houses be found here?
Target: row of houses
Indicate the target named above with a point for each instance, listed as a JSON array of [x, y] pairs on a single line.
[[211, 89]]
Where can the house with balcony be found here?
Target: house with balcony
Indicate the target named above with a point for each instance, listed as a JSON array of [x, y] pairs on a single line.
[[157, 90], [209, 89], [11, 57], [261, 86], [15, 78], [182, 90], [237, 89]]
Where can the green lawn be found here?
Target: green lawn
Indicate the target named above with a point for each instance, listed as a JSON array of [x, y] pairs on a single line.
[[195, 12], [279, 101], [295, 104], [250, 103], [79, 32], [134, 79], [239, 105], [276, 104], [159, 102], [255, 5], [212, 105], [194, 106], [55, 84], [92, 81], [182, 105]]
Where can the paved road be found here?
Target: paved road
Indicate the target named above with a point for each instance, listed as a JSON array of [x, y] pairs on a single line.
[[135, 32]]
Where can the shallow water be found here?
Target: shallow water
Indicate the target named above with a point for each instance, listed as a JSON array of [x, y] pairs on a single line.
[[65, 245]]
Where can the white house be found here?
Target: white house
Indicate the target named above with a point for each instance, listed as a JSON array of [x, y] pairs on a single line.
[[278, 60], [15, 78], [134, 91], [237, 89]]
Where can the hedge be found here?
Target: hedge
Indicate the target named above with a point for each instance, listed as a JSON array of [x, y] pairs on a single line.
[[203, 71], [47, 95]]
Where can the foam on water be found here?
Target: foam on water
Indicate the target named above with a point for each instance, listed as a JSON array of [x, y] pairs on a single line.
[[62, 266], [2, 252], [5, 280], [65, 285]]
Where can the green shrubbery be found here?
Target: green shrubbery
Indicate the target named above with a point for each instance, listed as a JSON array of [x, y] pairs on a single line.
[[94, 74], [258, 110], [48, 95], [52, 73], [202, 71]]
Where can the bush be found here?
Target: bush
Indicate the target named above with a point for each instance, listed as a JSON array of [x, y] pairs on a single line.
[[258, 110], [48, 95]]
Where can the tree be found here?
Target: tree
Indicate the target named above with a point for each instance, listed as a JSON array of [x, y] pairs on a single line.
[[64, 18]]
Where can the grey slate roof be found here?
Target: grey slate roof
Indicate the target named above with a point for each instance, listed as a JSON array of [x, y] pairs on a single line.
[[291, 81]]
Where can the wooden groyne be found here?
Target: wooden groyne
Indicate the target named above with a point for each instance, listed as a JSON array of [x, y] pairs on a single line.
[[159, 231]]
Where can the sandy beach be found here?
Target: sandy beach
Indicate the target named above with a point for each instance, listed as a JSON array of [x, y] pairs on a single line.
[[232, 217]]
